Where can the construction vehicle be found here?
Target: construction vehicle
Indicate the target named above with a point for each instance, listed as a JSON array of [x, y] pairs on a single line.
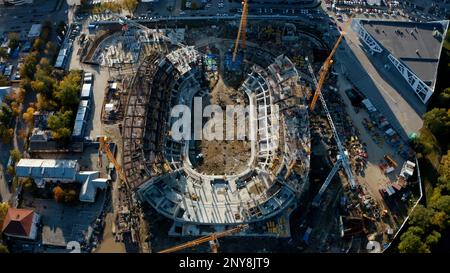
[[324, 72], [390, 161], [212, 238], [342, 158], [104, 148], [242, 32]]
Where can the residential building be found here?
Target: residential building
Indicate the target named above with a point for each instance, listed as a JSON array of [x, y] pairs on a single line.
[[21, 223]]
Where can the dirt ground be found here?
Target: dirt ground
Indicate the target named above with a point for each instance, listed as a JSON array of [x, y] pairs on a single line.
[[109, 245], [224, 156]]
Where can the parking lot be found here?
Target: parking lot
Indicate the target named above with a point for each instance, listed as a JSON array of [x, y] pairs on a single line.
[[64, 223], [20, 18]]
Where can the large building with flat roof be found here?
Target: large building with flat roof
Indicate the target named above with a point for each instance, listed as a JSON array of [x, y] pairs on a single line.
[[409, 50]]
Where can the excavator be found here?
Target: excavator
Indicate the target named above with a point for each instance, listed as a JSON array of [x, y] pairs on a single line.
[[212, 239]]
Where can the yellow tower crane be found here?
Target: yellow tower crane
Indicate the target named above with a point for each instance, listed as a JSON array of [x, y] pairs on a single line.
[[104, 147], [242, 33], [210, 238], [324, 72]]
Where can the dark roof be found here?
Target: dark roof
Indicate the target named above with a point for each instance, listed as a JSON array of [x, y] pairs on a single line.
[[18, 222], [412, 43]]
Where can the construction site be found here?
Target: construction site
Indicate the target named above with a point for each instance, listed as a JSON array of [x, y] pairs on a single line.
[[320, 168]]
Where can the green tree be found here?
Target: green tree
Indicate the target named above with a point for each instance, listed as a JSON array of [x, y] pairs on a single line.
[[5, 114], [3, 210], [59, 123], [50, 49], [3, 249], [15, 155], [442, 204], [44, 103], [444, 97], [38, 44], [438, 121], [11, 170], [38, 86], [130, 5], [3, 54], [13, 40], [4, 81], [70, 196], [28, 67], [68, 92], [411, 241], [433, 238], [421, 217], [28, 184]]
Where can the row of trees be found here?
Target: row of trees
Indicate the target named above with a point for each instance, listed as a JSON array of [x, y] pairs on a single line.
[[54, 90], [428, 224]]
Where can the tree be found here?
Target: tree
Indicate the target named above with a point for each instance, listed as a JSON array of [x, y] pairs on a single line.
[[3, 210], [28, 116], [28, 67], [433, 238], [421, 217], [27, 184], [15, 108], [442, 204], [438, 121], [50, 49], [3, 53], [3, 249], [38, 44], [6, 134], [11, 170], [411, 241], [444, 171], [13, 40], [15, 155], [4, 80], [130, 5], [5, 114], [43, 103], [444, 97], [70, 196], [60, 123], [68, 92], [38, 86], [58, 193]]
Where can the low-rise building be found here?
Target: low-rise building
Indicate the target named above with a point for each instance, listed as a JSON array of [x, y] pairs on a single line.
[[44, 171], [21, 223], [47, 170]]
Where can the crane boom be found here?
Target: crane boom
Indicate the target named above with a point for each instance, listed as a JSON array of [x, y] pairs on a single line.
[[242, 30], [212, 237], [104, 147], [343, 156], [324, 72]]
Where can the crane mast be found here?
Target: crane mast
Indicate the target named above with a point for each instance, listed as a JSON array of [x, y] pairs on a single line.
[[342, 158], [242, 32]]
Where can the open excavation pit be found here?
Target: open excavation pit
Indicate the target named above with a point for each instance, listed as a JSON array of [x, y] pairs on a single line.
[[226, 156], [211, 185]]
